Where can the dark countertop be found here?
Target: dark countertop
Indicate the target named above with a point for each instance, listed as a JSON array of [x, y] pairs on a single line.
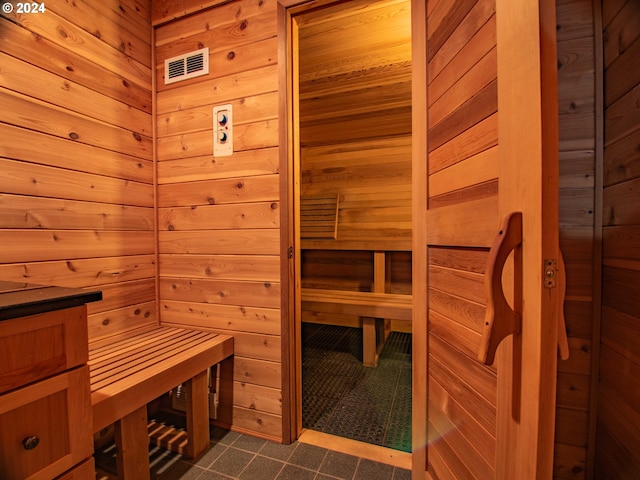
[[22, 299]]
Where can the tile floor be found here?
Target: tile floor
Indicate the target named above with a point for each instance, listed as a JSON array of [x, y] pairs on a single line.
[[241, 457]]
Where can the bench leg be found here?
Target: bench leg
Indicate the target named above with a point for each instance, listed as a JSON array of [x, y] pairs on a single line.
[[132, 442], [375, 332], [197, 415], [369, 346]]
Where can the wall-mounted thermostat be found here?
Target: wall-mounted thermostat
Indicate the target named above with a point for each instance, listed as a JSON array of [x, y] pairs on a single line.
[[222, 130]]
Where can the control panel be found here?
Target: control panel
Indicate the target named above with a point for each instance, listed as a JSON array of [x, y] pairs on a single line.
[[222, 130]]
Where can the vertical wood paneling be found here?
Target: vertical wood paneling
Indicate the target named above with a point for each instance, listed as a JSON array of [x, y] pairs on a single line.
[[76, 156], [617, 453], [576, 92], [219, 217]]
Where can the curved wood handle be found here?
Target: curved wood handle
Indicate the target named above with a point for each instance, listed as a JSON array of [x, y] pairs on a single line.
[[500, 319]]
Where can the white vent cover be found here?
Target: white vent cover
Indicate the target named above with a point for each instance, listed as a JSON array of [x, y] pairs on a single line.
[[189, 65]]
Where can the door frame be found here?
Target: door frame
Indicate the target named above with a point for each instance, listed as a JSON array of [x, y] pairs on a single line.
[[289, 213], [289, 239]]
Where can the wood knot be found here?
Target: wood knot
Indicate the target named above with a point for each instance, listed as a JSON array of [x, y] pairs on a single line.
[[74, 136], [244, 24], [231, 55], [137, 136]]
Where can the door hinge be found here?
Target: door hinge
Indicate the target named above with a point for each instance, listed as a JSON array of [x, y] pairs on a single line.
[[290, 252], [550, 272]]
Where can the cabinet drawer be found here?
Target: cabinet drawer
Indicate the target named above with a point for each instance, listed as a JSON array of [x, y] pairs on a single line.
[[38, 346], [45, 428]]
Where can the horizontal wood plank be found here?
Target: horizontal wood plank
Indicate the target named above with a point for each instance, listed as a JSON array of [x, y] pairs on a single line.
[[225, 241], [35, 245], [262, 215], [222, 317]]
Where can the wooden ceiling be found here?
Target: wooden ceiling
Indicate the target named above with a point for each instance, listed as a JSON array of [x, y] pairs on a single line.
[[355, 72]]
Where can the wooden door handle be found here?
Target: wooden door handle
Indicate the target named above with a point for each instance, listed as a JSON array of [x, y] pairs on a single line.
[[500, 319]]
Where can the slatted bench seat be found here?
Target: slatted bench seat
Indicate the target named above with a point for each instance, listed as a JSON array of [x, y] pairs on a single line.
[[373, 307], [128, 372]]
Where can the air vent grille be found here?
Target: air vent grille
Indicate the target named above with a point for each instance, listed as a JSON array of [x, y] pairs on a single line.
[[189, 65]]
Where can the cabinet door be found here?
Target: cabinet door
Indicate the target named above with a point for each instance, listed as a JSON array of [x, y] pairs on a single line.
[[488, 150], [38, 346], [45, 428]]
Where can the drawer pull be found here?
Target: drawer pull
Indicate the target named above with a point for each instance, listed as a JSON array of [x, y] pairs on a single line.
[[31, 442]]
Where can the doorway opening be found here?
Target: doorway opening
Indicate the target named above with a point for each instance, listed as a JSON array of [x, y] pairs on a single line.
[[351, 148]]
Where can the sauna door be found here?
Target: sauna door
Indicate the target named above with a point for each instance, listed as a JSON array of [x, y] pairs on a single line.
[[485, 191]]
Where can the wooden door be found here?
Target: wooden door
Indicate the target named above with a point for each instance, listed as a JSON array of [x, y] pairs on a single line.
[[485, 147]]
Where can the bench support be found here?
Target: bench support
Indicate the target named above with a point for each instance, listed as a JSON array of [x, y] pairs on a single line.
[[197, 415], [375, 332], [132, 442]]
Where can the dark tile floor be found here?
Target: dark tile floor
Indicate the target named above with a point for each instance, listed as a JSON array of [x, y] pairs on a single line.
[[241, 457]]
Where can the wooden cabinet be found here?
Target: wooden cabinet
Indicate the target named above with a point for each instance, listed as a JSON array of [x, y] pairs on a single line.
[[45, 405]]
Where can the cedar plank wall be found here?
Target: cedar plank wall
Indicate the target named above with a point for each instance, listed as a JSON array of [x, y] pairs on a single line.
[[355, 137], [462, 130], [355, 118], [576, 91], [618, 417], [76, 201], [219, 239]]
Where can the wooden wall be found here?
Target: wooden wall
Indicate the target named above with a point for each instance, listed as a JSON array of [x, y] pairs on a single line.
[[617, 454], [576, 92], [218, 232], [76, 207], [355, 116]]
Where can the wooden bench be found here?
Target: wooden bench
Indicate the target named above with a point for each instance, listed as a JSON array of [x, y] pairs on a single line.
[[319, 222], [127, 372], [373, 307]]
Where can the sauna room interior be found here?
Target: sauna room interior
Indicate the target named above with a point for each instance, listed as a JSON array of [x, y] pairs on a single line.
[[419, 213]]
